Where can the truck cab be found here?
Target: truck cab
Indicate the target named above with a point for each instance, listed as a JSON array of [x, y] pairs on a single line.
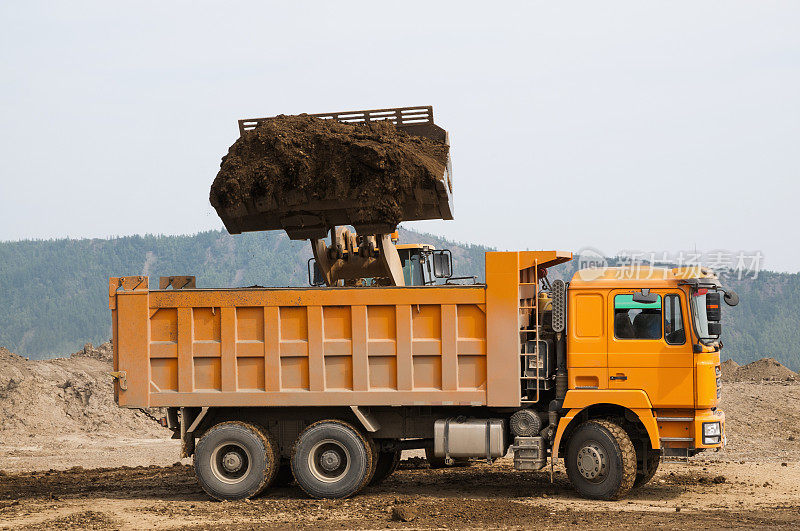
[[647, 339]]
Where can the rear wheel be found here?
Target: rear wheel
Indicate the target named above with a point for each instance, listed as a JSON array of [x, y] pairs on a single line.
[[235, 460], [332, 459], [643, 476], [386, 464], [438, 462], [601, 460]]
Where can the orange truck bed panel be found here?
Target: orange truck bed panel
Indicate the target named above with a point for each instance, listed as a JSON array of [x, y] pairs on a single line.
[[447, 345]]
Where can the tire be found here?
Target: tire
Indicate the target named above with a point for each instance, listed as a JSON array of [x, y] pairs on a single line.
[[438, 462], [235, 461], [433, 461], [284, 476], [644, 476], [373, 446], [347, 465], [601, 460], [386, 464]]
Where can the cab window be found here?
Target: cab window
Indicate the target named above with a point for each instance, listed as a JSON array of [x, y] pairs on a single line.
[[413, 272], [636, 320], [674, 332]]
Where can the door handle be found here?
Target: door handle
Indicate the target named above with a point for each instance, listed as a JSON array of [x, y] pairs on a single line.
[[619, 377]]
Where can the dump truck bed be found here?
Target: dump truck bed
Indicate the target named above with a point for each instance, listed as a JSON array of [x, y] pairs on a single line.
[[442, 345]]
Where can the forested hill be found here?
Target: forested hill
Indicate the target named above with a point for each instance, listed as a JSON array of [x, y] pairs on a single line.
[[54, 298], [54, 293]]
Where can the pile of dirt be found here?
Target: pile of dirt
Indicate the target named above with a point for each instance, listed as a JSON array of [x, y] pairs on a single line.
[[298, 159], [763, 369], [65, 395], [729, 368], [104, 352]]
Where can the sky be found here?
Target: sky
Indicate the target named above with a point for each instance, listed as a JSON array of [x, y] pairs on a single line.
[[636, 126]]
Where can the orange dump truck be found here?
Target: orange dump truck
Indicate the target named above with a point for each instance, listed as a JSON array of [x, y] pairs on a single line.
[[387, 351], [327, 385]]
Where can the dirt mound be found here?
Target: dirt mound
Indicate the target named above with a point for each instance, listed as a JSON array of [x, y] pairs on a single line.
[[299, 159], [104, 352], [764, 369], [729, 368], [65, 395]]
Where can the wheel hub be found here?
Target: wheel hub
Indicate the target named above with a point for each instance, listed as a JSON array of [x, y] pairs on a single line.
[[330, 460], [232, 462], [592, 462]]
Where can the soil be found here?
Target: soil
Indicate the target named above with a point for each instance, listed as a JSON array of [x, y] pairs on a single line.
[[729, 368], [65, 396], [763, 369], [124, 472], [290, 159]]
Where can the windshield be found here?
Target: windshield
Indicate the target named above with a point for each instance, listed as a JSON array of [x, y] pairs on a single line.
[[412, 268], [700, 315]]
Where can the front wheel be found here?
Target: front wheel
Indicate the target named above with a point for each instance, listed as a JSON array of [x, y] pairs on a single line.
[[644, 476], [601, 460]]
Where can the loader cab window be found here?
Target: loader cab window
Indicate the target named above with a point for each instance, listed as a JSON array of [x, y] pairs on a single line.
[[636, 320], [674, 331], [413, 270]]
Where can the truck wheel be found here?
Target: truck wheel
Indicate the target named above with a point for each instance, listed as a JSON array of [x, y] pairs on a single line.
[[601, 460], [644, 476], [331, 459], [433, 461], [386, 464], [235, 460], [438, 462]]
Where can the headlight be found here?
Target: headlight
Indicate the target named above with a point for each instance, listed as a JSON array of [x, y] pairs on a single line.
[[712, 433]]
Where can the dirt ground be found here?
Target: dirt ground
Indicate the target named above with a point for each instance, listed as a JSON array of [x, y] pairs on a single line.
[[682, 495], [99, 481], [110, 475]]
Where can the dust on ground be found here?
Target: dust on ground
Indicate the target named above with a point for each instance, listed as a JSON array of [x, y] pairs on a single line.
[[82, 473]]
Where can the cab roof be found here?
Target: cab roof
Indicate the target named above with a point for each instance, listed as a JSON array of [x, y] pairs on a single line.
[[641, 275], [424, 246]]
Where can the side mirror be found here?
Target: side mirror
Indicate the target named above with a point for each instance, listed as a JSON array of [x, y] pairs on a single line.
[[731, 298], [714, 328], [645, 296], [442, 264], [315, 277], [713, 311]]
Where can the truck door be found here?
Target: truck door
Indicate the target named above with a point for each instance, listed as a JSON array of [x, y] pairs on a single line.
[[647, 347]]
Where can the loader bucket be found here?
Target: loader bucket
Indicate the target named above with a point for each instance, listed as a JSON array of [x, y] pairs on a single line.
[[305, 217]]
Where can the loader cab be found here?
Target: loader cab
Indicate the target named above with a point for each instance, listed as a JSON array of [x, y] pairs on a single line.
[[423, 264]]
